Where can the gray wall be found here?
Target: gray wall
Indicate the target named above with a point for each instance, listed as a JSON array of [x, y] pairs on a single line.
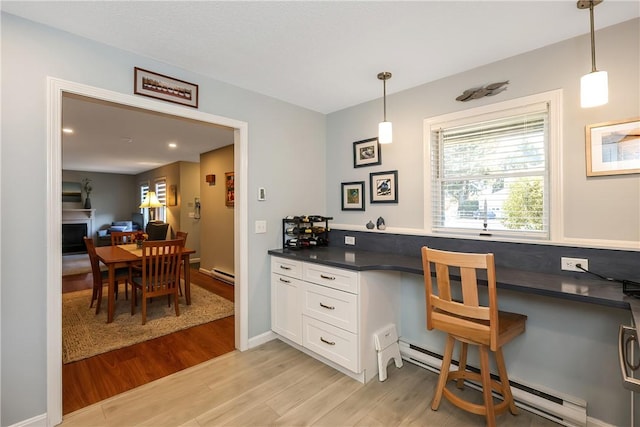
[[113, 196], [568, 347], [597, 209], [30, 53]]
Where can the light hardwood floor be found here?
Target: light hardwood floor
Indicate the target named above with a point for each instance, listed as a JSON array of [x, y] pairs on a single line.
[[275, 384]]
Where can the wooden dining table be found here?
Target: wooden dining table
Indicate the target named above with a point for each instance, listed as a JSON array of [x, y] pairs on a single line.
[[112, 256]]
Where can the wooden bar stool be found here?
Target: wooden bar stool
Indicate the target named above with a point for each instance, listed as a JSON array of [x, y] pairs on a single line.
[[469, 322]]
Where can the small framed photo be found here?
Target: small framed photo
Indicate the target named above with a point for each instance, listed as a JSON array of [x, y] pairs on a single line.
[[229, 180], [172, 195], [163, 87], [384, 187], [366, 153], [353, 196], [613, 148]]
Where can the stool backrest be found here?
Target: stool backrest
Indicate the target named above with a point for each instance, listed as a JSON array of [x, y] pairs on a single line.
[[466, 319]]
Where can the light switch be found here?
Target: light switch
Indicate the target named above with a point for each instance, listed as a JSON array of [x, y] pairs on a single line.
[[261, 226]]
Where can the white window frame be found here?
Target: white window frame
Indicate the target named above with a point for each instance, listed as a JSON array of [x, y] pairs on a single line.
[[161, 213], [141, 197], [554, 162]]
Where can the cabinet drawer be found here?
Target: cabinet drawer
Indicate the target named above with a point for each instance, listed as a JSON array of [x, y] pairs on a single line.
[[337, 308], [333, 343], [336, 278], [286, 267]]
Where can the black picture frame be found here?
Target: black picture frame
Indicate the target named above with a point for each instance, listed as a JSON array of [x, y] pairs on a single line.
[[384, 187], [352, 195], [367, 153]]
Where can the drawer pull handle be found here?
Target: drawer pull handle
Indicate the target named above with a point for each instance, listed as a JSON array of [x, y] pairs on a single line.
[[285, 268], [284, 280], [327, 277], [327, 342], [328, 307]]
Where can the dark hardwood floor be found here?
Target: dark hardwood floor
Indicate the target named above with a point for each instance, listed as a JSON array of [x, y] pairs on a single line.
[[94, 379]]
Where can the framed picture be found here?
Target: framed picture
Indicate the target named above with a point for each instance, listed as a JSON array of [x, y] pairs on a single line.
[[366, 153], [229, 182], [353, 196], [613, 148], [167, 88], [172, 195], [384, 187]]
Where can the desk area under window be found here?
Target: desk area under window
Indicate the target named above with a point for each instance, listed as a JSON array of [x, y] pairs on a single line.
[[570, 345]]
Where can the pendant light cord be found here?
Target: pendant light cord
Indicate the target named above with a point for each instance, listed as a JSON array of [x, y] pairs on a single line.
[[593, 41]]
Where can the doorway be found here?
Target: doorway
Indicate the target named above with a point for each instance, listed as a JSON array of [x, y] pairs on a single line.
[[56, 88]]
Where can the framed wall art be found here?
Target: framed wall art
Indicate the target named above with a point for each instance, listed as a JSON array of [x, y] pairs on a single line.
[[163, 87], [352, 196], [366, 153], [384, 187], [172, 195], [229, 182], [613, 148]]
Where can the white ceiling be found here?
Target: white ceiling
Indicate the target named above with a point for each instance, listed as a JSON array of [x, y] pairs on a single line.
[[113, 138], [325, 55]]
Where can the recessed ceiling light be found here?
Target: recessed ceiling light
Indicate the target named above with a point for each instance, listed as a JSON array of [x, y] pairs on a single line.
[[172, 145], [67, 130]]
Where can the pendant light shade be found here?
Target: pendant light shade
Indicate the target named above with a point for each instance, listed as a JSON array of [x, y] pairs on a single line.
[[385, 129], [594, 87], [385, 133]]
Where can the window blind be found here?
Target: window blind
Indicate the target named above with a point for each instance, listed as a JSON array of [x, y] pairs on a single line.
[[490, 173]]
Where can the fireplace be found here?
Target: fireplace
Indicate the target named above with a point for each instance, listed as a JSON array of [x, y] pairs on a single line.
[[73, 238]]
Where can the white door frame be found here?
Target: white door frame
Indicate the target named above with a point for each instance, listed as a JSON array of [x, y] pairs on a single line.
[[55, 90]]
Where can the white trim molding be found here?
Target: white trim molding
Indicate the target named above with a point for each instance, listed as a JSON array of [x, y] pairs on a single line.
[[55, 90]]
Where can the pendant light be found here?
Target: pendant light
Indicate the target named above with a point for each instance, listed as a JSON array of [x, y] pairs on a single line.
[[385, 130], [594, 90]]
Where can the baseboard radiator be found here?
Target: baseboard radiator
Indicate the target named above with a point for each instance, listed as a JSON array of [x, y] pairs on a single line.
[[223, 275], [550, 404]]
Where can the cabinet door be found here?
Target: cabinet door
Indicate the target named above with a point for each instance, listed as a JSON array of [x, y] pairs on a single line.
[[286, 312]]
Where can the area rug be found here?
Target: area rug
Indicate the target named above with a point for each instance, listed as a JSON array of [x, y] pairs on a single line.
[[85, 334], [75, 264]]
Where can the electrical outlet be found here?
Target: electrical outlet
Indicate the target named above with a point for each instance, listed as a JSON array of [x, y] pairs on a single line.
[[349, 240], [569, 264]]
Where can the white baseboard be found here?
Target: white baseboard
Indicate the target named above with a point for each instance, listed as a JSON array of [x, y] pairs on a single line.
[[261, 339], [37, 421], [553, 405]]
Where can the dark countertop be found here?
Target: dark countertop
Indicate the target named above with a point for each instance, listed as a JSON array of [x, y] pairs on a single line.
[[588, 290]]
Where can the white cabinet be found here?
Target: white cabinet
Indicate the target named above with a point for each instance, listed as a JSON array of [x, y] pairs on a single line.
[[286, 288], [337, 311]]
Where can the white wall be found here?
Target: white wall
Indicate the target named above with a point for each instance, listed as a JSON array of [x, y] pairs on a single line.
[[30, 53], [597, 209]]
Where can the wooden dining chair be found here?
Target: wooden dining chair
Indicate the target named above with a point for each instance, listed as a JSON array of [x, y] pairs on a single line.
[[122, 237], [457, 311], [100, 278], [160, 273], [181, 235]]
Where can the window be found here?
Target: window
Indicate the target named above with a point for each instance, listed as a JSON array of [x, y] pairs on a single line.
[[144, 189], [490, 170], [160, 187], [161, 193]]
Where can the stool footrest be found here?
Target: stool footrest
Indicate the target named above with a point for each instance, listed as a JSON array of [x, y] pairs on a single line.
[[474, 408]]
